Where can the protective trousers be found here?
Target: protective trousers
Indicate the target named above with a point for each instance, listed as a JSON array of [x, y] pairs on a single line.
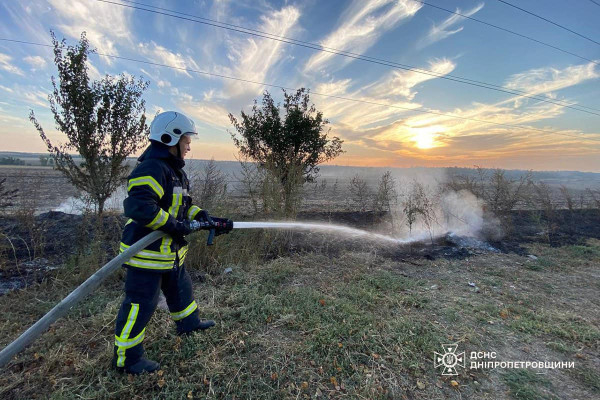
[[141, 298]]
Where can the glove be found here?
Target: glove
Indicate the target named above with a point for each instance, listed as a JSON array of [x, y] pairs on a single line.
[[222, 225], [182, 228], [203, 216]]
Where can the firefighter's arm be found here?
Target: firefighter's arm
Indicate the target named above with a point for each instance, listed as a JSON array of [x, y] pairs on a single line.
[[195, 213], [145, 189]]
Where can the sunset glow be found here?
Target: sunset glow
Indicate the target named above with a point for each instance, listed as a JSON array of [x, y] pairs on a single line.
[[424, 138]]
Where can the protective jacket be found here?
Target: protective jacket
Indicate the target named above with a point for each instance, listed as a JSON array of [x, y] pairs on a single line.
[[158, 197]]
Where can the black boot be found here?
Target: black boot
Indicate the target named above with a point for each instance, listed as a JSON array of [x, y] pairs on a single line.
[[202, 325], [141, 366]]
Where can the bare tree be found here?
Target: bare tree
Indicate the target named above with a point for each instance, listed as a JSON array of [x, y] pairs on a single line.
[[504, 194], [360, 192], [420, 203], [387, 195], [250, 179], [210, 186], [544, 198]]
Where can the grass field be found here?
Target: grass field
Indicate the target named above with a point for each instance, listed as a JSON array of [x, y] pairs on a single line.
[[311, 325]]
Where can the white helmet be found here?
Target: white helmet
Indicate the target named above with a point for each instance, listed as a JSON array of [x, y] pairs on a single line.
[[168, 127]]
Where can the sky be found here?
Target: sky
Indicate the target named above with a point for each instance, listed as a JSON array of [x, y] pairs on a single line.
[[396, 118]]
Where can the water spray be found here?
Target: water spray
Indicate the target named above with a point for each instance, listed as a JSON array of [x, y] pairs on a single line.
[[327, 228]]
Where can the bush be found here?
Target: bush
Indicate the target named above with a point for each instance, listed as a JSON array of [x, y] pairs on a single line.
[[209, 187]]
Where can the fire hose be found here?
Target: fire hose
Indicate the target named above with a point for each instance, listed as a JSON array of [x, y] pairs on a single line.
[[62, 308]]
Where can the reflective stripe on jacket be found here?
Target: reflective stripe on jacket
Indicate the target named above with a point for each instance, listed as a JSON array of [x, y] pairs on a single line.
[[157, 197]]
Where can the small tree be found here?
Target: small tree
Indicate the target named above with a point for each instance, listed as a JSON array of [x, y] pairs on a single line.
[[291, 146], [360, 192], [104, 122], [420, 202]]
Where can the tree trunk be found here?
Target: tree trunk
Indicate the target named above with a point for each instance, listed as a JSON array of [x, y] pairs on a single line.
[[100, 205]]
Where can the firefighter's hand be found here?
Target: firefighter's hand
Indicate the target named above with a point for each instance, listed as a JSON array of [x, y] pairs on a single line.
[[203, 216], [222, 225], [182, 228]]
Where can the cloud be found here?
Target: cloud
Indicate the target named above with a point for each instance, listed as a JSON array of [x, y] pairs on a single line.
[[35, 97], [36, 62], [441, 31], [30, 17], [206, 112], [361, 25], [13, 121], [104, 24], [6, 65], [401, 83], [162, 55], [6, 89], [395, 89], [155, 78], [546, 80], [253, 58]]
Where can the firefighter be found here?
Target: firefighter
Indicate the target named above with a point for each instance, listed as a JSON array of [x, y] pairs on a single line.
[[158, 198]]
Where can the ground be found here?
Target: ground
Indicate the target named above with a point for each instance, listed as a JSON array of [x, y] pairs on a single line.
[[314, 316]]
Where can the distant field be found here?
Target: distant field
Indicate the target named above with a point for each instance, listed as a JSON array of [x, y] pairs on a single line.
[[44, 189], [39, 188]]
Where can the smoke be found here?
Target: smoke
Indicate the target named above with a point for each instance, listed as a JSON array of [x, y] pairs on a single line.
[[426, 206], [81, 204], [462, 213]]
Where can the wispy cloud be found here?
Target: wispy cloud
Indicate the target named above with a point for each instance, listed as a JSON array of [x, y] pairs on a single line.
[[207, 112], [360, 27], [395, 89], [442, 31], [104, 24], [401, 83], [93, 72], [35, 97], [547, 80], [160, 54], [31, 18], [253, 58], [7, 65], [36, 62]]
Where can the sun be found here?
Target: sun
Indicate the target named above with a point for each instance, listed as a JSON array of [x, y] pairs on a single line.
[[425, 138]]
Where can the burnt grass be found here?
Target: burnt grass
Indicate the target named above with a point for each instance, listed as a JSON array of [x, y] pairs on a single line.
[[308, 315]]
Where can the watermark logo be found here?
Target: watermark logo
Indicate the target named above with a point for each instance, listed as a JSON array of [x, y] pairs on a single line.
[[449, 360]]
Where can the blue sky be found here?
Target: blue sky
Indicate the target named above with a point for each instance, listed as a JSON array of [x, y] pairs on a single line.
[[402, 31]]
